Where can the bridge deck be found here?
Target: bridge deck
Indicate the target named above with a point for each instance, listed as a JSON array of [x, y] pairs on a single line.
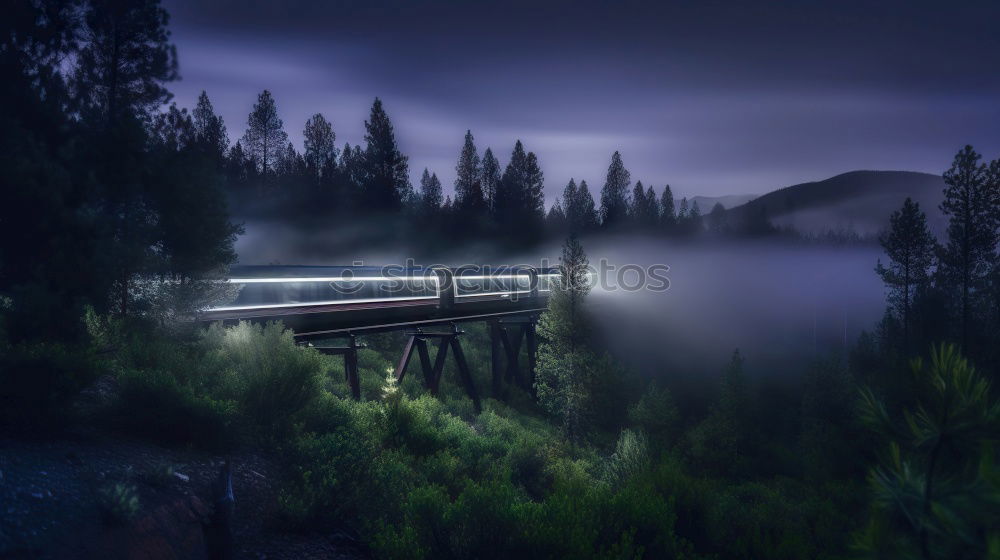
[[287, 299]]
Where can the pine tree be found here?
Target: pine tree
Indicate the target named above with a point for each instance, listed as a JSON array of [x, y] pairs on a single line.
[[571, 206], [352, 172], [682, 212], [720, 443], [319, 142], [614, 195], [120, 84], [430, 195], [930, 498], [587, 209], [968, 256], [564, 362], [290, 165], [694, 224], [236, 165], [265, 140], [520, 201], [125, 60], [652, 213], [909, 245], [668, 218], [210, 130], [534, 207], [490, 179], [555, 220], [468, 181], [387, 181], [637, 208]]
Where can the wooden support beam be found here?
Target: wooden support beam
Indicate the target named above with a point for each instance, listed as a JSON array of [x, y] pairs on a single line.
[[405, 359], [496, 358], [512, 347], [425, 365], [351, 368], [465, 374], [350, 354], [442, 353]]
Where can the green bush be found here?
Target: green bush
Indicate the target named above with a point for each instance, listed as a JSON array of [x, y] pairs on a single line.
[[118, 502], [266, 373], [630, 458]]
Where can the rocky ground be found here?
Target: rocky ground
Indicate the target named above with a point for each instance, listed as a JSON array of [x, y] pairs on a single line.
[[55, 498]]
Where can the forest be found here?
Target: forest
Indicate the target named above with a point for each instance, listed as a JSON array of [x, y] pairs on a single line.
[[119, 216]]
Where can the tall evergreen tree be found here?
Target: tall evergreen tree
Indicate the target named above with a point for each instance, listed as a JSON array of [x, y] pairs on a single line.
[[520, 200], [319, 142], [210, 130], [387, 182], [490, 178], [586, 209], [265, 139], [571, 206], [637, 208], [40, 192], [120, 80], [236, 165], [668, 217], [352, 172], [555, 220], [972, 208], [909, 245], [430, 195], [564, 362], [652, 213], [468, 181], [126, 60], [534, 204], [614, 195]]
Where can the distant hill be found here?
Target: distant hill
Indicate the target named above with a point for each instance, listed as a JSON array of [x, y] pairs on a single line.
[[705, 203], [858, 200]]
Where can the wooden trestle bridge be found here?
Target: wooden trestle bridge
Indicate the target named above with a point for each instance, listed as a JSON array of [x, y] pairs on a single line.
[[329, 308]]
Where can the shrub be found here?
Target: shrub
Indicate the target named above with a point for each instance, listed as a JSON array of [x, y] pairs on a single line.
[[630, 458], [656, 414], [270, 378], [118, 502]]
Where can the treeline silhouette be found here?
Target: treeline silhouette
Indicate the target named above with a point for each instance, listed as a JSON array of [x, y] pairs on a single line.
[[269, 179], [947, 289]]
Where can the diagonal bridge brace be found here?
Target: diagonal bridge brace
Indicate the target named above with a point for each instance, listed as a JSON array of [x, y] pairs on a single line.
[[432, 374]]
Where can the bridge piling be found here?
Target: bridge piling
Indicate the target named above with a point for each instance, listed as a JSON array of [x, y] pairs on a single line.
[[350, 354]]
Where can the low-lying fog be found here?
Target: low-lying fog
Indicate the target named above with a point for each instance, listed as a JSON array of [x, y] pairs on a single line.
[[781, 304]]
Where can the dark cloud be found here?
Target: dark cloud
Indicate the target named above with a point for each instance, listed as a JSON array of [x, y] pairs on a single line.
[[712, 97]]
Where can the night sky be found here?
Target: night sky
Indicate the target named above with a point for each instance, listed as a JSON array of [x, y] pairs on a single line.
[[711, 97]]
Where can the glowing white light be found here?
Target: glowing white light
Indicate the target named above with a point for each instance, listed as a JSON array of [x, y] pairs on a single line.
[[494, 293], [430, 278], [312, 303], [328, 279]]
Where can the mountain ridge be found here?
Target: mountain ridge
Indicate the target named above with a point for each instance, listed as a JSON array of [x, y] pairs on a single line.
[[859, 200]]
